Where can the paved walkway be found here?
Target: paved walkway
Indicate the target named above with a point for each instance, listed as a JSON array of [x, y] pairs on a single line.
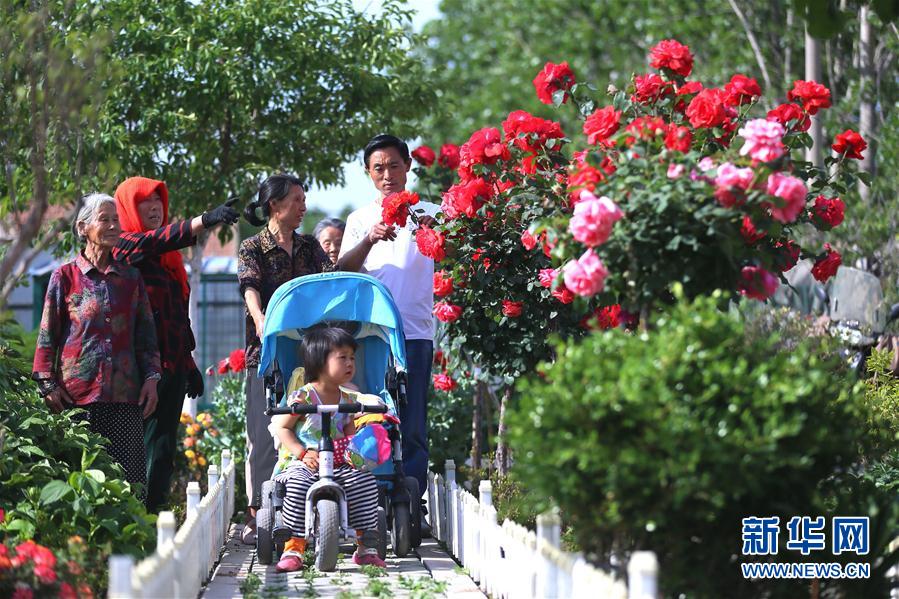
[[430, 572]]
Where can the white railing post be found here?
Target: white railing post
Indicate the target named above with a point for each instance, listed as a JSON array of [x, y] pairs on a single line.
[[486, 527], [549, 532], [213, 477], [451, 515], [120, 567], [642, 575], [165, 529], [433, 509], [193, 497], [229, 489]]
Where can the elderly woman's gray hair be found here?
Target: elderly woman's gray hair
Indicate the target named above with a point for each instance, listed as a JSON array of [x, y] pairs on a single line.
[[328, 222], [90, 207]]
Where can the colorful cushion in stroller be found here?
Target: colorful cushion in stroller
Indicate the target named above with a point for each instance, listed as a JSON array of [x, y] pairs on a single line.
[[369, 447]]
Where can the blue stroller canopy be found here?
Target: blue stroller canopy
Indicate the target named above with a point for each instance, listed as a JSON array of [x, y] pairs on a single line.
[[329, 297]]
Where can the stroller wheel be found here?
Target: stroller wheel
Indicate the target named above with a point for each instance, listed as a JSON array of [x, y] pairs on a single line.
[[414, 510], [401, 532], [382, 533], [264, 544], [327, 529], [268, 491]]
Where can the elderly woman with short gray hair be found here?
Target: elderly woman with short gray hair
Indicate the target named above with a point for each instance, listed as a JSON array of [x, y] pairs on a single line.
[[329, 233], [96, 348]]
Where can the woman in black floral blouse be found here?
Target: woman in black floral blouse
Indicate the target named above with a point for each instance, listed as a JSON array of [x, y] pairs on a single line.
[[266, 261]]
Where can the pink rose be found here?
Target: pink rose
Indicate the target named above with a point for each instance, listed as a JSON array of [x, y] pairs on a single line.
[[593, 218], [757, 283], [731, 184], [586, 275], [546, 276], [675, 171], [707, 163], [792, 191], [764, 140]]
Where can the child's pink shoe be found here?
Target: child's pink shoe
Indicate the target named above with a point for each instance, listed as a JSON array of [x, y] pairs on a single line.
[[368, 556], [289, 562]]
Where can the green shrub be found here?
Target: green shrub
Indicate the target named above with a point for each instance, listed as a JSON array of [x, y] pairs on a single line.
[[56, 479], [665, 440], [449, 425]]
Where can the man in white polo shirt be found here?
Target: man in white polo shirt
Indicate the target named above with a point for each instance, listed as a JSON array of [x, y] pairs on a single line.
[[391, 255]]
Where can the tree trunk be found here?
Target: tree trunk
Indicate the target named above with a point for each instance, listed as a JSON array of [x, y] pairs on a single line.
[[867, 96], [788, 51], [815, 154], [477, 419], [503, 460], [29, 229]]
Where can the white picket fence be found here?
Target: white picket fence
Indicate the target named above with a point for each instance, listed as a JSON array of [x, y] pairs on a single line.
[[509, 561], [183, 559]]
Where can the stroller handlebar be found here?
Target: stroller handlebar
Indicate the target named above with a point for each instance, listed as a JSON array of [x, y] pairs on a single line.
[[343, 408]]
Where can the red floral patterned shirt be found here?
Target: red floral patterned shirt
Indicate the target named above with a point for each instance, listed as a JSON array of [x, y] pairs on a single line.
[[97, 338]]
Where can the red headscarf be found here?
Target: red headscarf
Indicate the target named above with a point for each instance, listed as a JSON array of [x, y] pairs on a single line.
[[132, 192]]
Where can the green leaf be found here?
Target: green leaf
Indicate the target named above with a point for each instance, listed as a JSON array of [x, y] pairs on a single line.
[[54, 491]]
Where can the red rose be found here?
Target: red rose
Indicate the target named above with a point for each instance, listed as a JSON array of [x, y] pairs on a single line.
[[605, 317], [528, 241], [552, 78], [430, 243], [757, 283], [443, 284], [649, 88], [563, 294], [223, 366], [446, 312], [444, 382], [485, 146], [465, 198], [749, 232], [689, 88], [827, 213], [827, 266], [449, 156], [786, 255], [813, 95], [237, 360], [395, 207], [678, 138], [440, 359], [785, 113], [706, 109], [850, 143], [66, 591], [424, 155], [673, 56], [742, 90], [530, 132], [512, 309], [600, 125], [645, 127]]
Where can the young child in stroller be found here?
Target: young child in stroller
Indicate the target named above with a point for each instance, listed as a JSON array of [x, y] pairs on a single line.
[[329, 360]]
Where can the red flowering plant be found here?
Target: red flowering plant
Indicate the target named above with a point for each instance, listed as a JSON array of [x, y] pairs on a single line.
[[679, 181], [682, 182], [30, 570]]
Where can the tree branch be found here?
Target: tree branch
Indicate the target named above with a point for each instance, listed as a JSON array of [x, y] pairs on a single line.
[[759, 58]]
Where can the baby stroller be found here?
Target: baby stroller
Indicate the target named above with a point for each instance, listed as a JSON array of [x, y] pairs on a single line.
[[363, 306]]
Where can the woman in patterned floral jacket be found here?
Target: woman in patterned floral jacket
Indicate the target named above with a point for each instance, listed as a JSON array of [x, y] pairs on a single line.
[[96, 348]]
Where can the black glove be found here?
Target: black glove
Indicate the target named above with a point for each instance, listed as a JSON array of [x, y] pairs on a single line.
[[221, 214], [194, 383]]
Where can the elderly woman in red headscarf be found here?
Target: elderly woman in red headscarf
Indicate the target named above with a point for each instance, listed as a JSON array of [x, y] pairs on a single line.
[[151, 244]]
